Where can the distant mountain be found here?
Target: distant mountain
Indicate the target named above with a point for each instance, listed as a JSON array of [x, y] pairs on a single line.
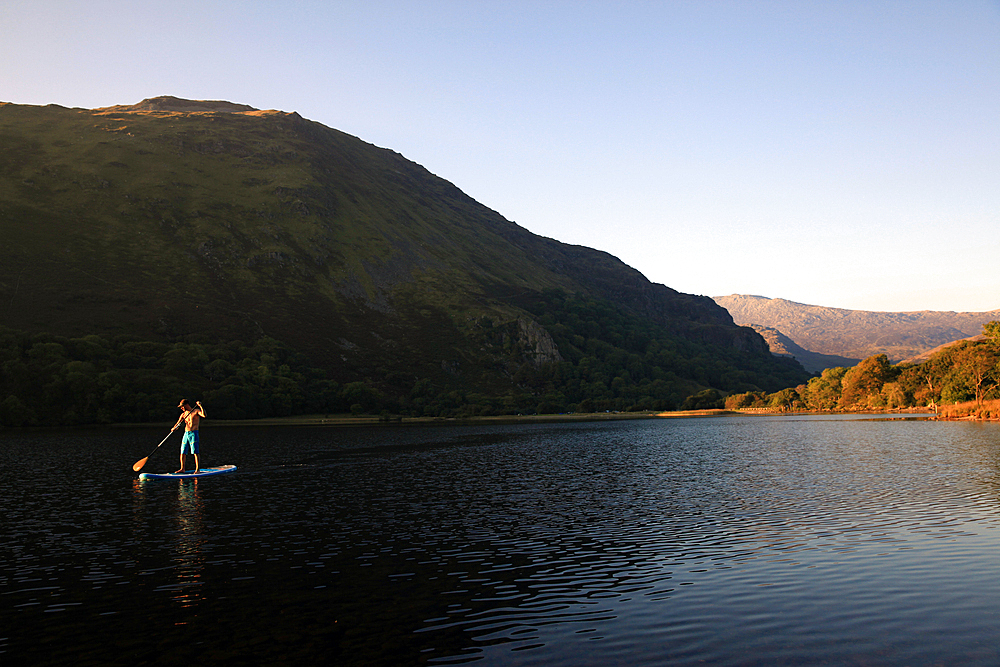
[[784, 346], [196, 220], [924, 356], [855, 334]]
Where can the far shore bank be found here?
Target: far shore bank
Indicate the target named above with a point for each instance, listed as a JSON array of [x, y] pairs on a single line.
[[376, 420]]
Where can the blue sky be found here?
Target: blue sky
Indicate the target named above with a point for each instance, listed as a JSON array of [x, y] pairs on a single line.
[[835, 153]]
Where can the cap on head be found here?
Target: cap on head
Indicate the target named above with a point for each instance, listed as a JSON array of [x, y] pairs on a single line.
[[183, 403]]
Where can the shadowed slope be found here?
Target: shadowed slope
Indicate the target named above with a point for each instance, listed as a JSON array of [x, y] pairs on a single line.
[[176, 217]]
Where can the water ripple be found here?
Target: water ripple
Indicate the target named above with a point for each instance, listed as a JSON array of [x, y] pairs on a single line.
[[729, 541]]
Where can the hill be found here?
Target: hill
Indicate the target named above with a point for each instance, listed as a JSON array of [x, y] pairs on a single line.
[[206, 221], [925, 356], [814, 362], [855, 334]]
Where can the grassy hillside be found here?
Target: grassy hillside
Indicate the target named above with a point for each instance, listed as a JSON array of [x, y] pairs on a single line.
[[177, 220]]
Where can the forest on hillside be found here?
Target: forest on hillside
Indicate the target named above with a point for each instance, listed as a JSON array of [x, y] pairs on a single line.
[[615, 360], [50, 380], [965, 373], [613, 364], [611, 360]]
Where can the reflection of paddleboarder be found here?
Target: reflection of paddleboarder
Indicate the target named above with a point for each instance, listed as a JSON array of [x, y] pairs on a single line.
[[190, 442]]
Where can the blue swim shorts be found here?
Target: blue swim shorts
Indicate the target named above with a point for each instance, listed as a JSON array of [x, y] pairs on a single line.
[[189, 444]]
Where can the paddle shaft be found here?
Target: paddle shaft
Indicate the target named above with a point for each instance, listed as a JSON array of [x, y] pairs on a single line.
[[141, 462]]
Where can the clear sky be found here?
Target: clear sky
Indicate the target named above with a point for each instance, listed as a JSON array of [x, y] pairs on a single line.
[[834, 153]]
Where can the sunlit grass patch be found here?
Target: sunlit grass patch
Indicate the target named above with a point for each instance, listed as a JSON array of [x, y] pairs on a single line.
[[971, 410]]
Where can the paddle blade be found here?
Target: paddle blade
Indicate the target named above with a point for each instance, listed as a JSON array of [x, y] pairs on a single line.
[[138, 464]]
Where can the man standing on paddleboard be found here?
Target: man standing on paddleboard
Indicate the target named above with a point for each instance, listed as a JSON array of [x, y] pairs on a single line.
[[190, 418]]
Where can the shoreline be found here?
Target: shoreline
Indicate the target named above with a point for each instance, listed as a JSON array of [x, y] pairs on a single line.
[[375, 420], [396, 420], [345, 420]]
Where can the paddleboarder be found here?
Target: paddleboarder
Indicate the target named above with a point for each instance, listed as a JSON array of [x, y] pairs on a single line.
[[190, 418]]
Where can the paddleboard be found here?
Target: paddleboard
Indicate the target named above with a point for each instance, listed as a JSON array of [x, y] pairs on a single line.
[[204, 472]]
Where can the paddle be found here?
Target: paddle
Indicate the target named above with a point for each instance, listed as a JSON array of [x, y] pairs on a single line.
[[141, 462]]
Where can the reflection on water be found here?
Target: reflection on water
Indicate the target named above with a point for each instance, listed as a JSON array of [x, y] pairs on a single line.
[[186, 537], [729, 541], [190, 537]]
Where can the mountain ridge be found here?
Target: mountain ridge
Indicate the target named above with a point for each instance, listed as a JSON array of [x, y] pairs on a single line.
[[856, 334], [169, 103]]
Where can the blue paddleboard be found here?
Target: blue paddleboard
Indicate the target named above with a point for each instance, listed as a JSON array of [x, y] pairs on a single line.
[[204, 472]]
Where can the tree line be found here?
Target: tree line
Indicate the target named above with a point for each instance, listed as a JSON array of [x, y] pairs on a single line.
[[611, 361], [967, 372], [50, 380]]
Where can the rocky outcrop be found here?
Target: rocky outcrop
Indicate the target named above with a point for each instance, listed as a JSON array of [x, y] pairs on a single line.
[[539, 346]]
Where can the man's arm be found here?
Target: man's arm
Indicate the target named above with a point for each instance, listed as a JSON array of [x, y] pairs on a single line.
[[201, 409]]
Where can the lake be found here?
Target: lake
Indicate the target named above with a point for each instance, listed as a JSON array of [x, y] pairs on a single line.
[[743, 540]]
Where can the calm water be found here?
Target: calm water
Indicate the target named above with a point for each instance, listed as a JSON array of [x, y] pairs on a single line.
[[728, 541]]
